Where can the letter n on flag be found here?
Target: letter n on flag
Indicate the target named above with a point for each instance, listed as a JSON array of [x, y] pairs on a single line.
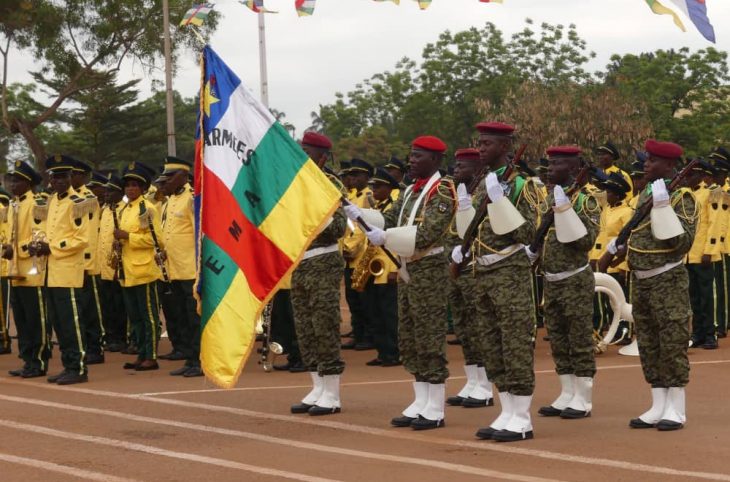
[[259, 203]]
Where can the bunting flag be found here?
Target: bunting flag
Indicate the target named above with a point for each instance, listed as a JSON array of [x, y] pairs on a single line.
[[256, 5], [696, 10], [423, 4], [397, 2], [304, 7], [197, 14], [491, 1], [660, 9], [259, 202]]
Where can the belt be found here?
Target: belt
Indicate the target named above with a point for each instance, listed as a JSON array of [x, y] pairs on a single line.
[[320, 251], [489, 259], [650, 273], [430, 252], [553, 277]]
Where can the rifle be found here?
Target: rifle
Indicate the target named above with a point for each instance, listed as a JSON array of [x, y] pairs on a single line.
[[117, 247], [471, 231], [547, 221], [367, 229], [641, 213]]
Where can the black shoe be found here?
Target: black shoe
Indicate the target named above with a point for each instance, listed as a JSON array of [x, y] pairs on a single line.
[[6, 350], [455, 341], [402, 421], [316, 410], [470, 402], [17, 373], [115, 347], [549, 411], [55, 378], [639, 423], [180, 371], [365, 345], [132, 365], [375, 362], [486, 433], [509, 436], [455, 401], [33, 373], [192, 372], [710, 344], [147, 365], [668, 425], [167, 356], [572, 414], [695, 343], [73, 378], [282, 367], [94, 359], [350, 345], [300, 408], [298, 367], [177, 356], [391, 363], [422, 423]]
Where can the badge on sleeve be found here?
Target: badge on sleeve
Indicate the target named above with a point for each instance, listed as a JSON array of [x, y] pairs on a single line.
[[443, 207]]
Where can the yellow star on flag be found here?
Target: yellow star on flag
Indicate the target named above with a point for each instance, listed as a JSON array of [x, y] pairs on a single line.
[[210, 99]]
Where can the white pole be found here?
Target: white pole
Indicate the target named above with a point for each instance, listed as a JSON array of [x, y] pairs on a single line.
[[262, 61], [171, 149]]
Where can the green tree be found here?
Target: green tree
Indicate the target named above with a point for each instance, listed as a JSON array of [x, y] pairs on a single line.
[[80, 45]]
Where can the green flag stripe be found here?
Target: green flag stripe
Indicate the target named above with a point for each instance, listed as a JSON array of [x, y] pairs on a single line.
[[264, 181], [218, 271]]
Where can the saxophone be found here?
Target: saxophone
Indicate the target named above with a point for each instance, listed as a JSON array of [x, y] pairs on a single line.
[[372, 264]]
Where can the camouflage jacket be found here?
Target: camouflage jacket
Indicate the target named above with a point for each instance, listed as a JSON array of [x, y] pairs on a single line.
[[436, 214], [332, 233], [646, 252], [557, 257]]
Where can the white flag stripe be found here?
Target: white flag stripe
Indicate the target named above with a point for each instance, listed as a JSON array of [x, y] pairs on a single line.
[[240, 130], [682, 5]]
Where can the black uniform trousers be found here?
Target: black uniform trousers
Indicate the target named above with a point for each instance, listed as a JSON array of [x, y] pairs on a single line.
[[382, 303], [63, 312], [29, 311], [114, 312], [143, 309], [283, 331], [361, 324], [4, 332], [91, 314], [174, 319], [180, 303], [702, 299], [721, 286]]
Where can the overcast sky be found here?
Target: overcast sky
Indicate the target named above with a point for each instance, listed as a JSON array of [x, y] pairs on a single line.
[[346, 41]]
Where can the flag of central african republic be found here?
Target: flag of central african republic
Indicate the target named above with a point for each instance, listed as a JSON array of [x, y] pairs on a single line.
[[260, 201]]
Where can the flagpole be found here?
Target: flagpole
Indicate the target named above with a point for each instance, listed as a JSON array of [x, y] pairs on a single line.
[[262, 61], [171, 148]]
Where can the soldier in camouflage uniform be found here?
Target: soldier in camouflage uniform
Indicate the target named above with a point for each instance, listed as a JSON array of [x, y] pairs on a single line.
[[315, 298], [569, 284], [660, 287], [504, 295], [477, 392], [418, 224]]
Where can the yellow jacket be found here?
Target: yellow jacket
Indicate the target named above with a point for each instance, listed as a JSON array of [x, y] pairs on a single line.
[[613, 219], [700, 246], [29, 214], [354, 242], [138, 253], [388, 265], [91, 262], [717, 206], [106, 239], [67, 235], [178, 233]]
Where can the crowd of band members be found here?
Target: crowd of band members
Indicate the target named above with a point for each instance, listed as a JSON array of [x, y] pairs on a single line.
[[92, 258]]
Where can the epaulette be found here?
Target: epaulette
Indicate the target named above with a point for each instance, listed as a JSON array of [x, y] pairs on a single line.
[[4, 214], [81, 206], [337, 183], [40, 208], [715, 195], [529, 191], [445, 188], [592, 208]]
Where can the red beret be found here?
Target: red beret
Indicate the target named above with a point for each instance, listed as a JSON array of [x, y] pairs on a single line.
[[495, 128], [317, 140], [429, 143], [467, 154], [668, 150], [564, 151]]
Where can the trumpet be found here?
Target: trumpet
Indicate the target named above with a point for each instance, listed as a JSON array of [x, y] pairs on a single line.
[[37, 238]]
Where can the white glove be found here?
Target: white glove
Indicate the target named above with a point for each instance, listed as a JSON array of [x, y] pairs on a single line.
[[376, 236], [659, 193], [612, 248], [494, 189], [352, 212], [532, 256], [456, 255], [464, 197], [560, 198]]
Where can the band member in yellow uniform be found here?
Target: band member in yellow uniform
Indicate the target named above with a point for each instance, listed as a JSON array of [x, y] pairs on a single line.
[[718, 235], [608, 154], [5, 345], [139, 225], [66, 239], [27, 296], [90, 309], [178, 233]]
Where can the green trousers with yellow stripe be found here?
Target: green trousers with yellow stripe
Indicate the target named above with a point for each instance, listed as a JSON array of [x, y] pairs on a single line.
[[92, 314], [29, 312], [63, 311], [143, 310], [4, 333]]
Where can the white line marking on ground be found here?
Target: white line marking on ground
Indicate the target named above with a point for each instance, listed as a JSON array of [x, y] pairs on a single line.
[[383, 382], [148, 449], [433, 464], [62, 469]]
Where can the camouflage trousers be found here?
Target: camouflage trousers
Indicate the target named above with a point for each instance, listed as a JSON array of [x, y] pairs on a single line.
[[315, 299], [506, 311], [422, 320], [461, 300], [569, 320], [661, 313]]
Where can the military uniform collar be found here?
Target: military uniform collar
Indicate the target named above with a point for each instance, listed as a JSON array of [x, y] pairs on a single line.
[[136, 201]]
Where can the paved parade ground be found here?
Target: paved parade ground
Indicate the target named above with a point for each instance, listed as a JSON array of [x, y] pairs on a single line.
[[153, 427]]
